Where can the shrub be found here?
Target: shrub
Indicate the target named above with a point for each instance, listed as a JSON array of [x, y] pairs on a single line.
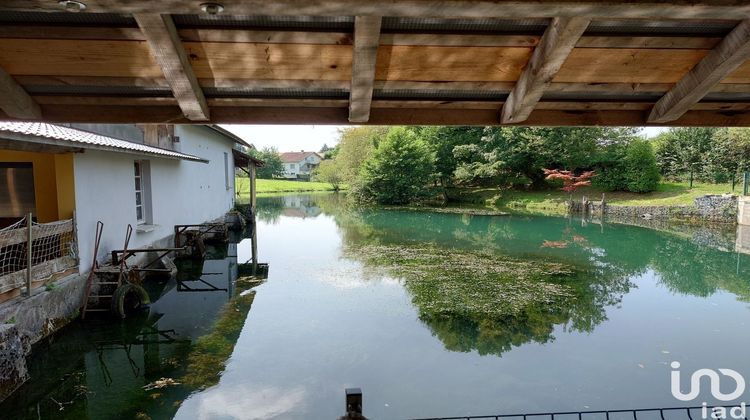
[[399, 169], [642, 172]]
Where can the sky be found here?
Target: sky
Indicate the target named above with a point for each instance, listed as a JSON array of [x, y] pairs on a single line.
[[294, 138]]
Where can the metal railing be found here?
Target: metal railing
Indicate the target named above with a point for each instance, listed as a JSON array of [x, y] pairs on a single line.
[[33, 252], [666, 413]]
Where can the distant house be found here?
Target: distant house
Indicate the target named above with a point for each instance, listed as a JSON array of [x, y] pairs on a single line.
[[152, 177], [300, 165]]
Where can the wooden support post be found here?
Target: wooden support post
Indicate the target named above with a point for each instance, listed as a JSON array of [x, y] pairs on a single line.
[[253, 190], [353, 403], [14, 100], [177, 237], [29, 253], [166, 46], [254, 244], [558, 41], [366, 41], [720, 62]]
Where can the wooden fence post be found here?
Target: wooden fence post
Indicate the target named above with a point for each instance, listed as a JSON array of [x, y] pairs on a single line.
[[29, 254]]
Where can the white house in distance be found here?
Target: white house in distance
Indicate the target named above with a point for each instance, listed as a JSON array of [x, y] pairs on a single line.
[[299, 165], [152, 177]]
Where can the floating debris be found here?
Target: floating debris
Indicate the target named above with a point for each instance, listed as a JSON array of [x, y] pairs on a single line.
[[161, 383]]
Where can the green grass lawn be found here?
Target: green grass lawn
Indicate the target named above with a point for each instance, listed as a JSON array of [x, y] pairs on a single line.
[[668, 194], [280, 185]]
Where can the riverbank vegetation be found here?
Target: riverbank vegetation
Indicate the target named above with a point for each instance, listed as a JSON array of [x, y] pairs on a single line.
[[281, 185], [505, 165]]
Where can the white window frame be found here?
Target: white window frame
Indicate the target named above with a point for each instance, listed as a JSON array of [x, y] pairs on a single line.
[[142, 179], [227, 182]]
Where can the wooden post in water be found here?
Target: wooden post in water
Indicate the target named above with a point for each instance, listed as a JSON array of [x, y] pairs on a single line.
[[29, 253], [353, 403]]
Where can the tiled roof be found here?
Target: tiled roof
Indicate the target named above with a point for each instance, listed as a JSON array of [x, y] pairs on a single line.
[[294, 157], [85, 139]]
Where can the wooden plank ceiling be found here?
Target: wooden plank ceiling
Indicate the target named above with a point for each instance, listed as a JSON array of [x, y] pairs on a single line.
[[483, 62]]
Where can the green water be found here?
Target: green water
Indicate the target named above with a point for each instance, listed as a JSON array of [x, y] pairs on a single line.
[[430, 314]]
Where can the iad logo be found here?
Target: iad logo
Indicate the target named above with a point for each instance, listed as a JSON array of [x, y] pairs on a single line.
[[714, 380]]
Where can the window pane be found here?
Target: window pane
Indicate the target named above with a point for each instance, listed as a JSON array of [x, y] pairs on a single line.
[[137, 183], [139, 212], [137, 166], [138, 198]]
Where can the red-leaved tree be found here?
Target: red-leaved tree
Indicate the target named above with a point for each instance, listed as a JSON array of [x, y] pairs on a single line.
[[570, 181]]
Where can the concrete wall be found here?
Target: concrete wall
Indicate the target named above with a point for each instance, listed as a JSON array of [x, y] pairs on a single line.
[[743, 211], [182, 192]]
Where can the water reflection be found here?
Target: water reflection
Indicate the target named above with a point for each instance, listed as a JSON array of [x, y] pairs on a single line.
[[99, 368], [271, 207], [603, 258]]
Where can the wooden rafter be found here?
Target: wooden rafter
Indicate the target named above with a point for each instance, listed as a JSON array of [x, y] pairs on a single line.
[[166, 47], [507, 9], [14, 100], [366, 40], [732, 52], [554, 47]]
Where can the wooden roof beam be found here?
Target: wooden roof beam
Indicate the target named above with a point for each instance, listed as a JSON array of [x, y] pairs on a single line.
[[166, 47], [554, 47], [14, 100], [366, 41], [725, 58], [506, 9]]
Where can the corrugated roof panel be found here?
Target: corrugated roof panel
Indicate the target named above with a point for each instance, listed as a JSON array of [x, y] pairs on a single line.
[[82, 138], [603, 96], [238, 92], [155, 91], [67, 18], [727, 97], [662, 27], [285, 22], [399, 24], [439, 95]]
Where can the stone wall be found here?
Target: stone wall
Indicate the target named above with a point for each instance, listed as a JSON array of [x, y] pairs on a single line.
[[713, 208], [26, 320], [13, 371]]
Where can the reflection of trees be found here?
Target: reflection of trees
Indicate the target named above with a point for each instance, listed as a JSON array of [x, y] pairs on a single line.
[[490, 303], [603, 261], [269, 208]]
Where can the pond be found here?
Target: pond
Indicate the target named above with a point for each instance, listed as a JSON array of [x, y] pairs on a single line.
[[431, 314]]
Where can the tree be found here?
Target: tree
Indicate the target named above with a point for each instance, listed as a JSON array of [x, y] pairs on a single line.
[[398, 170], [442, 140], [272, 164], [642, 173], [517, 155], [685, 151], [730, 154], [355, 145], [571, 182], [329, 171]]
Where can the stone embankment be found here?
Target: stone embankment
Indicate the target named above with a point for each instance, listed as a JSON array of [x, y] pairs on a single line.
[[711, 208]]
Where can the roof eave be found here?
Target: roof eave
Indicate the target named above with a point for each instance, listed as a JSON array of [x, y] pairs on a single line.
[[9, 135]]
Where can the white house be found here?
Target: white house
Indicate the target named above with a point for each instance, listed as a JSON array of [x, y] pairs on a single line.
[[299, 165], [152, 177]]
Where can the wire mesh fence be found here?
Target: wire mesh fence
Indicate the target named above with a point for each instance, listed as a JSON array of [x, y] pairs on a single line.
[[33, 252]]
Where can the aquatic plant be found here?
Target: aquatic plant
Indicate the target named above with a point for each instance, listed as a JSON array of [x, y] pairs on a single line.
[[210, 353], [489, 302]]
